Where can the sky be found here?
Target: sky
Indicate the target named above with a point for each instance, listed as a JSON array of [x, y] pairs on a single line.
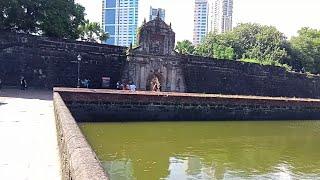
[[287, 15]]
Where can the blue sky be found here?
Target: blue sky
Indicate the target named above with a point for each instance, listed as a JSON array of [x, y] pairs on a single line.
[[287, 15]]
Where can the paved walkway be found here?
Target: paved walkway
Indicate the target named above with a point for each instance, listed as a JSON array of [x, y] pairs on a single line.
[[29, 149]]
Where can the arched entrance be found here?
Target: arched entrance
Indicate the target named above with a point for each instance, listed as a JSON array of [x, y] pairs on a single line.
[[154, 82]]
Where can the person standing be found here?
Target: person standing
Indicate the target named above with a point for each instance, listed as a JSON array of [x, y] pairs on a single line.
[[23, 83], [0, 84], [132, 87], [118, 85]]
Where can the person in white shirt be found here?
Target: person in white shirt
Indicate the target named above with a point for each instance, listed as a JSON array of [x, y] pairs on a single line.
[[132, 87]]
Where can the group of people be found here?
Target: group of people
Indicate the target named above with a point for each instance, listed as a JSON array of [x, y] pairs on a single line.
[[126, 86], [85, 83]]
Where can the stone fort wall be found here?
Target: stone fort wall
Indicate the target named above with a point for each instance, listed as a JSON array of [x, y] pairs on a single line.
[[48, 62], [207, 75], [87, 105]]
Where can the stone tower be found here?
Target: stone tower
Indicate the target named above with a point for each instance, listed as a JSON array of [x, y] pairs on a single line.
[[154, 59], [156, 37]]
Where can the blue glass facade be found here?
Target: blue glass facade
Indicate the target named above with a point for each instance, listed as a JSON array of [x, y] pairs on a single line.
[[120, 20]]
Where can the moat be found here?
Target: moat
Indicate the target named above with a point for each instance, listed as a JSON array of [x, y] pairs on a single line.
[[207, 150]]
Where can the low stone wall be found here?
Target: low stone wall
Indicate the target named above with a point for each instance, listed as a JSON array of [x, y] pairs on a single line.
[[112, 105], [78, 160]]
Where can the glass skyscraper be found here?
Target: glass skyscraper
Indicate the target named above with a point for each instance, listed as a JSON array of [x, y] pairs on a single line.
[[200, 29], [120, 20]]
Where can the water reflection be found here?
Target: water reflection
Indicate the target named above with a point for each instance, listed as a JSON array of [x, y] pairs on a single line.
[[208, 150]]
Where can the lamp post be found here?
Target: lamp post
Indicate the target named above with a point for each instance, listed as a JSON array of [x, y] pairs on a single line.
[[79, 61]]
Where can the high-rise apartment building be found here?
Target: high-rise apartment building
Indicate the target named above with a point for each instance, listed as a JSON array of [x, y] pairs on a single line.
[[211, 15], [201, 14], [120, 20], [154, 13], [222, 15]]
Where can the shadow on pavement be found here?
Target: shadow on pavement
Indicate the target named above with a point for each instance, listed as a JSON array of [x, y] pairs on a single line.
[[1, 103], [26, 94]]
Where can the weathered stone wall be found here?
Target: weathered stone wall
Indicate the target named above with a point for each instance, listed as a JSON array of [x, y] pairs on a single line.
[[206, 75], [47, 62], [78, 160], [111, 105], [141, 68]]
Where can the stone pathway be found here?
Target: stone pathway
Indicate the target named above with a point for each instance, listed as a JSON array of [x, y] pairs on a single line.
[[29, 149]]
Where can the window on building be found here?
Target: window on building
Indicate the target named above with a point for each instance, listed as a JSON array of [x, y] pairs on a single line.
[[110, 3], [110, 16]]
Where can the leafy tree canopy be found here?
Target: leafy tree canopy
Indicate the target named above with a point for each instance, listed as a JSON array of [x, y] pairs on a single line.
[[185, 47], [306, 47], [58, 18], [256, 41], [215, 46]]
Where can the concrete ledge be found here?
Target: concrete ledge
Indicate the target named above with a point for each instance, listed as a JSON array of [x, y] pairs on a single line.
[[78, 160]]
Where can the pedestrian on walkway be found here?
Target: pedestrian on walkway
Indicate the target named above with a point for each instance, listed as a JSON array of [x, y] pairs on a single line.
[[0, 84], [23, 83]]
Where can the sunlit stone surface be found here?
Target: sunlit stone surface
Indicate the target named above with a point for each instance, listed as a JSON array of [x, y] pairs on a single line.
[[29, 149]]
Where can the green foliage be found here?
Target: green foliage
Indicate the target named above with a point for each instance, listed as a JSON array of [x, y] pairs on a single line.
[[58, 18], [252, 43], [307, 48], [215, 46], [92, 32], [21, 15], [61, 19], [255, 41], [185, 47], [268, 63]]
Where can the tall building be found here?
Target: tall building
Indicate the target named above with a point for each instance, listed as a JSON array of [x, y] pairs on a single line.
[[120, 20], [211, 15], [154, 13], [222, 15], [201, 14]]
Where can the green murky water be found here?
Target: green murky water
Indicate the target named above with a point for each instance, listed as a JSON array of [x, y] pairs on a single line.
[[207, 150]]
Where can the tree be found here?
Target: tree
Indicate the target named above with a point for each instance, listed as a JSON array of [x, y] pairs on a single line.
[[185, 47], [255, 41], [307, 47], [215, 46], [18, 15], [61, 19], [92, 32], [58, 18]]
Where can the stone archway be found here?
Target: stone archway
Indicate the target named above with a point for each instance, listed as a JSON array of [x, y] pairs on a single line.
[[154, 82]]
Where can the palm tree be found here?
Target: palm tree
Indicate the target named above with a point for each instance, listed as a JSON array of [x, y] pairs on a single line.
[[92, 32]]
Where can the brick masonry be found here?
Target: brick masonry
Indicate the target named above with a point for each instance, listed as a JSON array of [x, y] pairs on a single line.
[[234, 77], [112, 105], [47, 62]]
